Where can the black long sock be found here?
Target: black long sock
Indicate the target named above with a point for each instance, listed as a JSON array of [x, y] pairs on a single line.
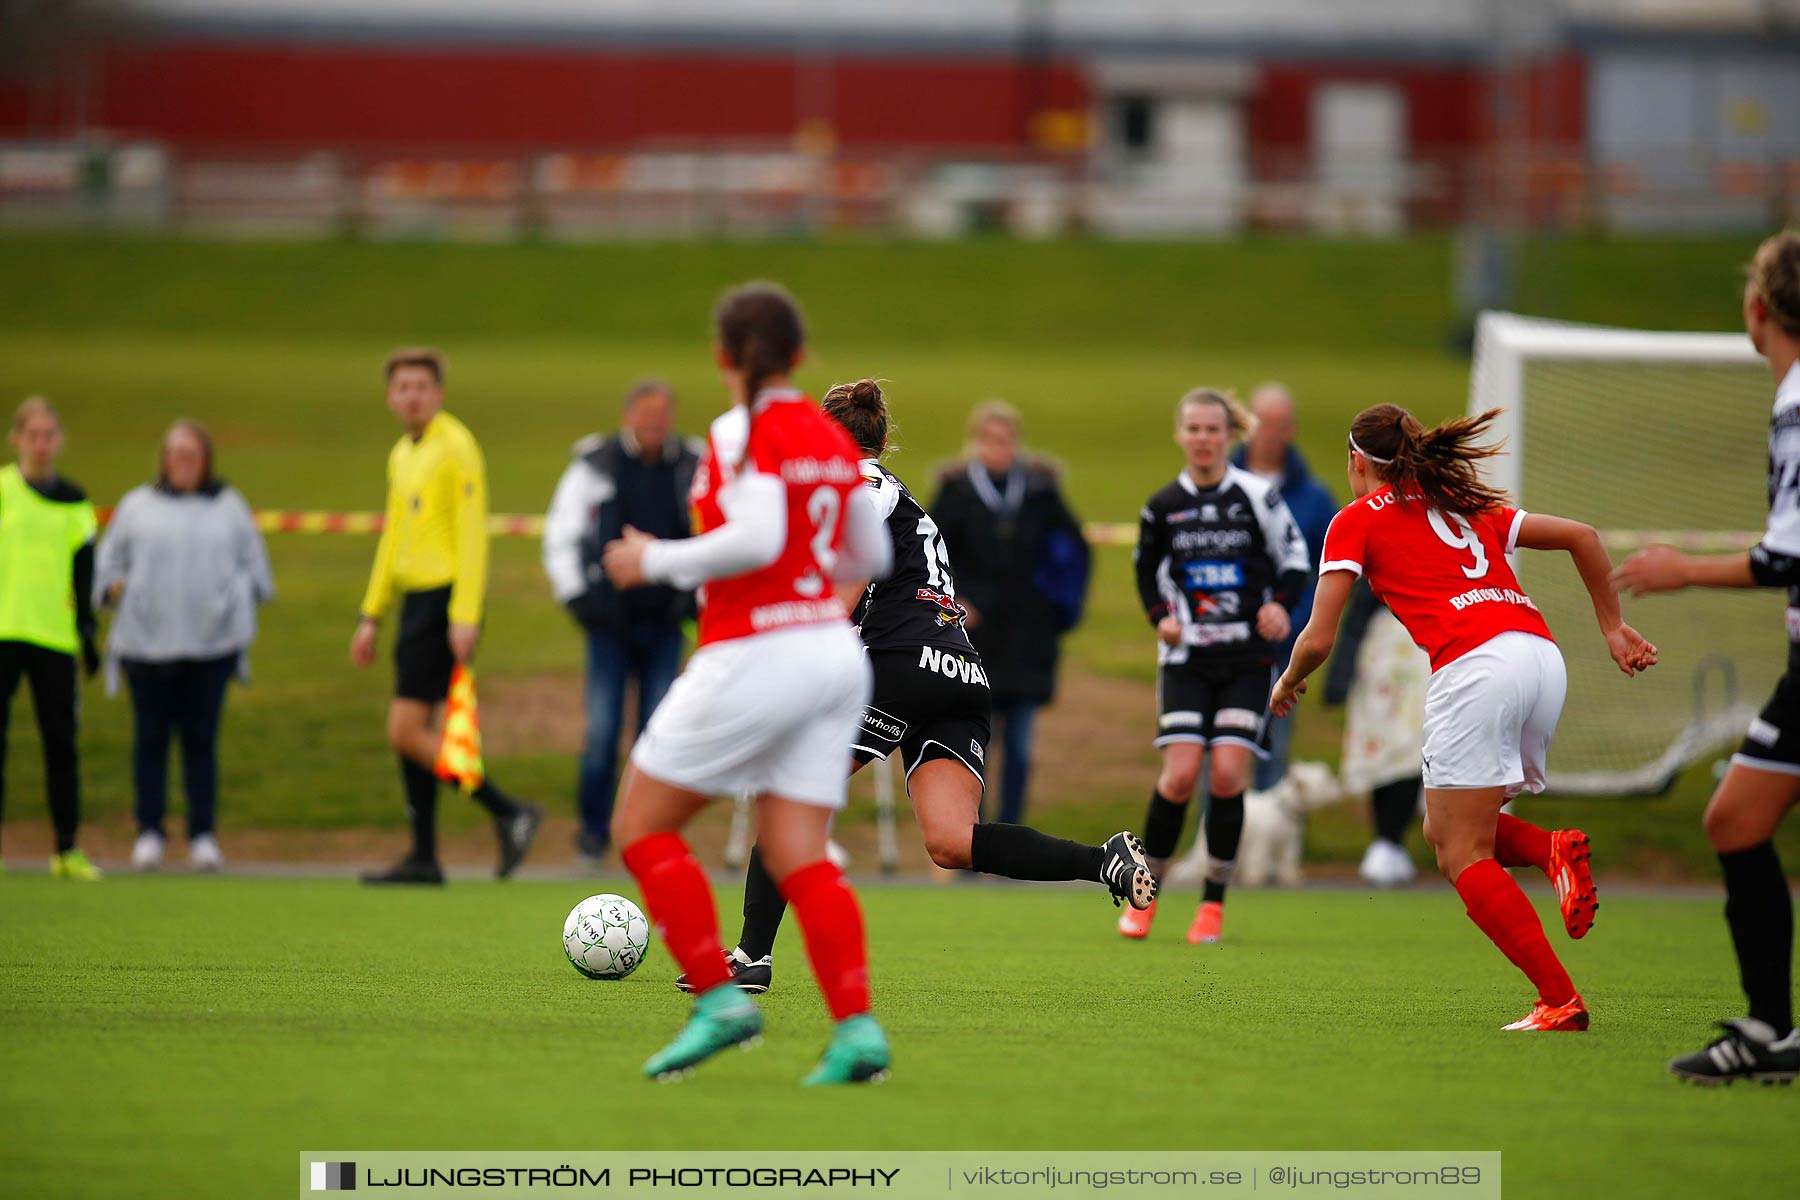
[[1162, 831], [1021, 852], [421, 807], [497, 802], [1224, 830], [764, 907], [1760, 910], [1394, 805]]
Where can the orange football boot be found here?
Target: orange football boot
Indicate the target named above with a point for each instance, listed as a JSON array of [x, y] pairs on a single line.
[[1574, 882], [1553, 1018], [1209, 924], [1135, 922]]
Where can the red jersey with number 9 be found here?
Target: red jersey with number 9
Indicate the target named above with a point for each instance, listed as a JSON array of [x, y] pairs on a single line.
[[785, 435], [1444, 575]]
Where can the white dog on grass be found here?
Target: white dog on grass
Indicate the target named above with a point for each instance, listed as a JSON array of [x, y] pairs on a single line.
[[1274, 831]]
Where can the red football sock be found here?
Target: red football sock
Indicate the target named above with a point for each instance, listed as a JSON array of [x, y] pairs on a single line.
[[833, 925], [681, 903], [1521, 844], [1496, 904]]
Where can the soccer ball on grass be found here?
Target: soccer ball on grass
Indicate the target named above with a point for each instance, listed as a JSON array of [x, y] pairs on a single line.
[[606, 937]]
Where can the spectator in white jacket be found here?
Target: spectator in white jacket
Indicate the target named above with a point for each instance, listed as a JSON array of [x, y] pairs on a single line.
[[184, 567], [638, 477]]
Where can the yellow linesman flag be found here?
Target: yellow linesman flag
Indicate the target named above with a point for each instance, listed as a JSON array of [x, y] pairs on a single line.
[[459, 754]]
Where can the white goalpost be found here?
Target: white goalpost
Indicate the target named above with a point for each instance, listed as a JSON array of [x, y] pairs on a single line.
[[1649, 437]]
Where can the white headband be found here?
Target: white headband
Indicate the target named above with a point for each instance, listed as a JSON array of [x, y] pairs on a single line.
[[1383, 461]]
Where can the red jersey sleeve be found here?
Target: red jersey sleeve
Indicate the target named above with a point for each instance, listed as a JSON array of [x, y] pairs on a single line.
[[1505, 522], [1346, 540]]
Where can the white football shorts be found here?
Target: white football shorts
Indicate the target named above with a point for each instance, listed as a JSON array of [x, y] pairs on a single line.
[[1490, 715], [772, 712]]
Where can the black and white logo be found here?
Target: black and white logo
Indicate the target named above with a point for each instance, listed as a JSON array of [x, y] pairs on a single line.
[[883, 725], [334, 1177]]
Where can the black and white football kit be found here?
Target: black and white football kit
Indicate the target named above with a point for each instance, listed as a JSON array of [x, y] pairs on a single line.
[[1759, 908], [931, 697], [1773, 741], [1212, 557]]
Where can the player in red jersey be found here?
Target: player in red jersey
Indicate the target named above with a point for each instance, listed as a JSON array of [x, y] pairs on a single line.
[[771, 697], [1433, 542]]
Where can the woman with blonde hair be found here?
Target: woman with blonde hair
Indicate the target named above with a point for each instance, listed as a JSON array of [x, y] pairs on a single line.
[[1763, 782], [1220, 566], [1022, 572]]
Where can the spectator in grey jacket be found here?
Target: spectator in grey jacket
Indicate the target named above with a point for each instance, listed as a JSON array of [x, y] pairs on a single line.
[[184, 567], [639, 477]]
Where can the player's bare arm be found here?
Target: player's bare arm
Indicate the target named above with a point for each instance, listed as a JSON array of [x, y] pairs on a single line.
[[1314, 644], [1666, 569], [1629, 649]]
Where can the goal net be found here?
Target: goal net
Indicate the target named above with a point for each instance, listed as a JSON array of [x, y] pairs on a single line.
[[1648, 437]]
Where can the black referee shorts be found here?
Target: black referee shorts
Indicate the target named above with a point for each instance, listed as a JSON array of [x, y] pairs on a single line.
[[422, 658]]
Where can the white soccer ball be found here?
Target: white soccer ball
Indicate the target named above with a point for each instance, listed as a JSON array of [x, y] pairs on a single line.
[[606, 937]]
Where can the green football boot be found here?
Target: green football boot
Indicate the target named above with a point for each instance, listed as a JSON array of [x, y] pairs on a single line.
[[858, 1053], [73, 864], [723, 1016]]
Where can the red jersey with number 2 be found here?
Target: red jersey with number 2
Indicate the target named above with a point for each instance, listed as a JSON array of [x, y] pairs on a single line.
[[784, 435], [1444, 575]]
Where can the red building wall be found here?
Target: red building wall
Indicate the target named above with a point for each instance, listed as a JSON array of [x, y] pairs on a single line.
[[290, 97]]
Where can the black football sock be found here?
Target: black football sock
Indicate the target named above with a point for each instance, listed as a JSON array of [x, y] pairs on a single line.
[[1224, 829], [1394, 805], [1021, 852], [1760, 910], [1162, 831], [497, 802], [421, 808], [764, 907]]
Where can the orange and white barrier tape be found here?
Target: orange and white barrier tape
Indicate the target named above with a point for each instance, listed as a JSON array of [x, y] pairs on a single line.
[[1099, 533]]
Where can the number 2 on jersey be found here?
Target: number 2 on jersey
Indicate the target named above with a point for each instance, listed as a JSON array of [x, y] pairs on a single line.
[[823, 507], [1466, 539]]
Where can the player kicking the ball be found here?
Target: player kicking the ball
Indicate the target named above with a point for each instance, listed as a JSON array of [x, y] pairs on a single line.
[[1220, 565], [771, 697], [931, 704], [1432, 540]]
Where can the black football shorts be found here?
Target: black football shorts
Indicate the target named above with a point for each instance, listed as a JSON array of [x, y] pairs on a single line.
[[1222, 703], [1773, 742], [927, 704], [422, 658]]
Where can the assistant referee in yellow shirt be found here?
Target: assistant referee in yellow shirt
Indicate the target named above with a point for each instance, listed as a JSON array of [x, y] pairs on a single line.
[[46, 614], [432, 559]]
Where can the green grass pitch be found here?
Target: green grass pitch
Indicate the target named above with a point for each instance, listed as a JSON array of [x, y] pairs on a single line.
[[177, 1036], [276, 345]]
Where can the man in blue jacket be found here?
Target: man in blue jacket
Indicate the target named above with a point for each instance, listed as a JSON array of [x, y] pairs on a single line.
[[638, 477], [1270, 453]]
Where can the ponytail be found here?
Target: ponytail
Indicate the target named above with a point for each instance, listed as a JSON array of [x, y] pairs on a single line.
[[860, 409], [1438, 464], [759, 326]]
